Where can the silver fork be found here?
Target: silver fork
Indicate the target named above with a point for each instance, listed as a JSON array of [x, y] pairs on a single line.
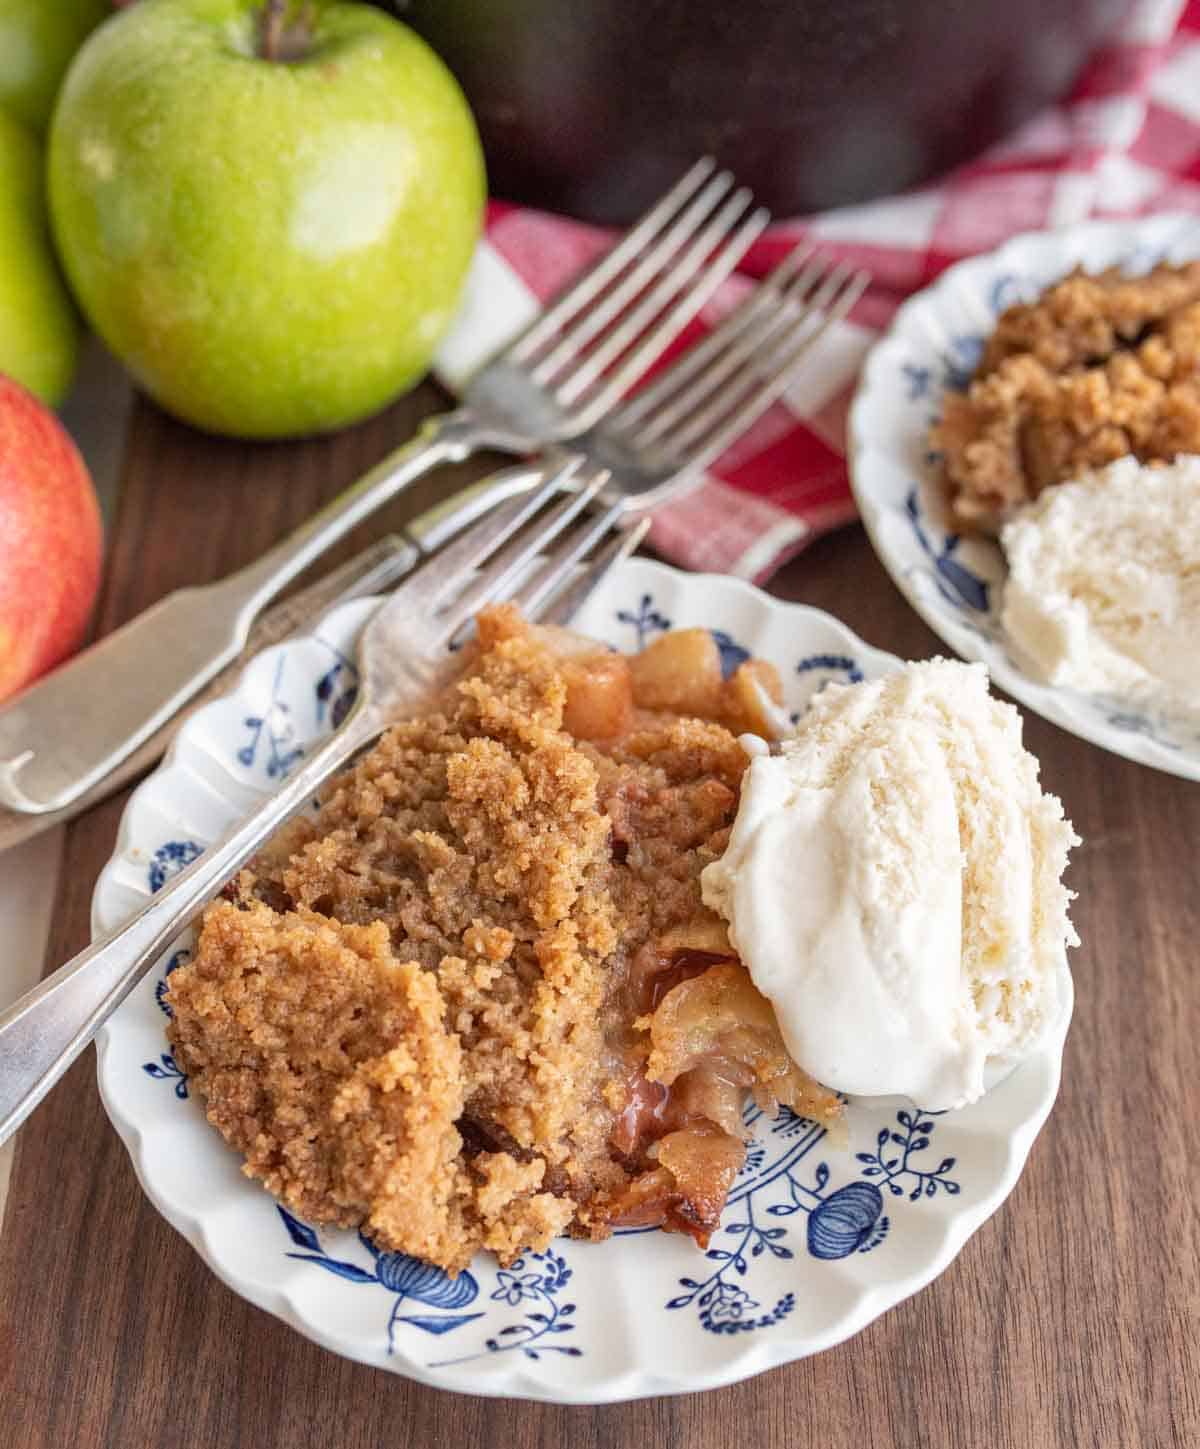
[[403, 659], [556, 380], [661, 441], [403, 654], [664, 437]]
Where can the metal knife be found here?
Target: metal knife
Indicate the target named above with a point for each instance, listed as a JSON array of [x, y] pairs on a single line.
[[64, 734], [62, 739]]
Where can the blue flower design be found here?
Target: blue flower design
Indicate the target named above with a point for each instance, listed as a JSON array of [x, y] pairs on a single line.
[[512, 1289], [956, 365], [723, 1305], [400, 1274], [535, 1278], [727, 1313], [169, 859], [891, 1167], [729, 1304], [731, 652], [832, 664], [166, 1070], [756, 1155], [841, 1220], [959, 363], [918, 379], [160, 989], [336, 690], [275, 727], [645, 620], [955, 582], [849, 1220], [789, 1124]]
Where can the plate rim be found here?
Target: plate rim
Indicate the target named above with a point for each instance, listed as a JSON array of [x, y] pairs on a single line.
[[758, 1354], [1049, 701]]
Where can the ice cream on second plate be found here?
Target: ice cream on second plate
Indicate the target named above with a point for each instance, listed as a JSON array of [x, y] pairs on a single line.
[[893, 884], [1103, 588]]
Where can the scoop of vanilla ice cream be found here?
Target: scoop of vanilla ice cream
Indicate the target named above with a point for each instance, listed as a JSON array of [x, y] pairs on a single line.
[[893, 885], [1103, 589]]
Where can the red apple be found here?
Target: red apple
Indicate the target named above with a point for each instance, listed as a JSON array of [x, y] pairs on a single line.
[[51, 540]]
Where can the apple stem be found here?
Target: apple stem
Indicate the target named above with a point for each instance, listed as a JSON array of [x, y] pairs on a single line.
[[281, 38], [270, 32]]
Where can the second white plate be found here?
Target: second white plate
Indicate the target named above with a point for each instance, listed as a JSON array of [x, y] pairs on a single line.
[[954, 582]]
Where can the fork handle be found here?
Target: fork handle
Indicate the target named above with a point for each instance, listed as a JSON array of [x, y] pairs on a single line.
[[43, 1032], [130, 683], [443, 438]]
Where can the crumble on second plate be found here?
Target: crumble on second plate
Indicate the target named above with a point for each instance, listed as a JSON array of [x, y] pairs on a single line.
[[1098, 367]]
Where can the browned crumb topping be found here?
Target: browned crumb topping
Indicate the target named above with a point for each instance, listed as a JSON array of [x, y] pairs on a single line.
[[454, 1007], [327, 1062], [1098, 367]]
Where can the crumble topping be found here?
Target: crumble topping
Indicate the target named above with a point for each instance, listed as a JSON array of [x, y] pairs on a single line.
[[1098, 367], [427, 1011]]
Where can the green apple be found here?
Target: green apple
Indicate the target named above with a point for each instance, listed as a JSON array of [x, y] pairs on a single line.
[[39, 330], [37, 40], [266, 215]]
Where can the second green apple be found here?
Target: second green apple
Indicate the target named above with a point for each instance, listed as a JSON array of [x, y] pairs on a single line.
[[267, 217], [38, 326]]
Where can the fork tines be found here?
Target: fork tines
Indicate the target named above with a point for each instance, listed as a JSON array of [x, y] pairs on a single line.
[[530, 549], [711, 395], [593, 343], [660, 440]]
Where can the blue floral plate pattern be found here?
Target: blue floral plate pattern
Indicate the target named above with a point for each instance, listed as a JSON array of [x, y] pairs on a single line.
[[818, 1238], [956, 584]]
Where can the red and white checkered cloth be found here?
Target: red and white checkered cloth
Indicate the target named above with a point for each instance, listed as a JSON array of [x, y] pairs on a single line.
[[1126, 142]]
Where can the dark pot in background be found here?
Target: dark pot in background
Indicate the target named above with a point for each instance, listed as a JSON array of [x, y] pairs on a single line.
[[594, 106]]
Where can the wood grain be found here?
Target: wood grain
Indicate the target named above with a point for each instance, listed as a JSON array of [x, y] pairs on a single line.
[[1070, 1319]]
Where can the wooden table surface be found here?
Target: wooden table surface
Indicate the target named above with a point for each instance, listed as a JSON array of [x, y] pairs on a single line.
[[1071, 1318]]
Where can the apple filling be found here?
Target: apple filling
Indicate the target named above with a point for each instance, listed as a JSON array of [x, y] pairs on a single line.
[[713, 1041]]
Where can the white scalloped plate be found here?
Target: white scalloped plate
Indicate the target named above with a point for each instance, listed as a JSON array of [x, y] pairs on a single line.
[[955, 583], [817, 1240]]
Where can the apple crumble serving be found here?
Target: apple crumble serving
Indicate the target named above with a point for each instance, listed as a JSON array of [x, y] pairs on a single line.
[[477, 1000], [1099, 367]]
